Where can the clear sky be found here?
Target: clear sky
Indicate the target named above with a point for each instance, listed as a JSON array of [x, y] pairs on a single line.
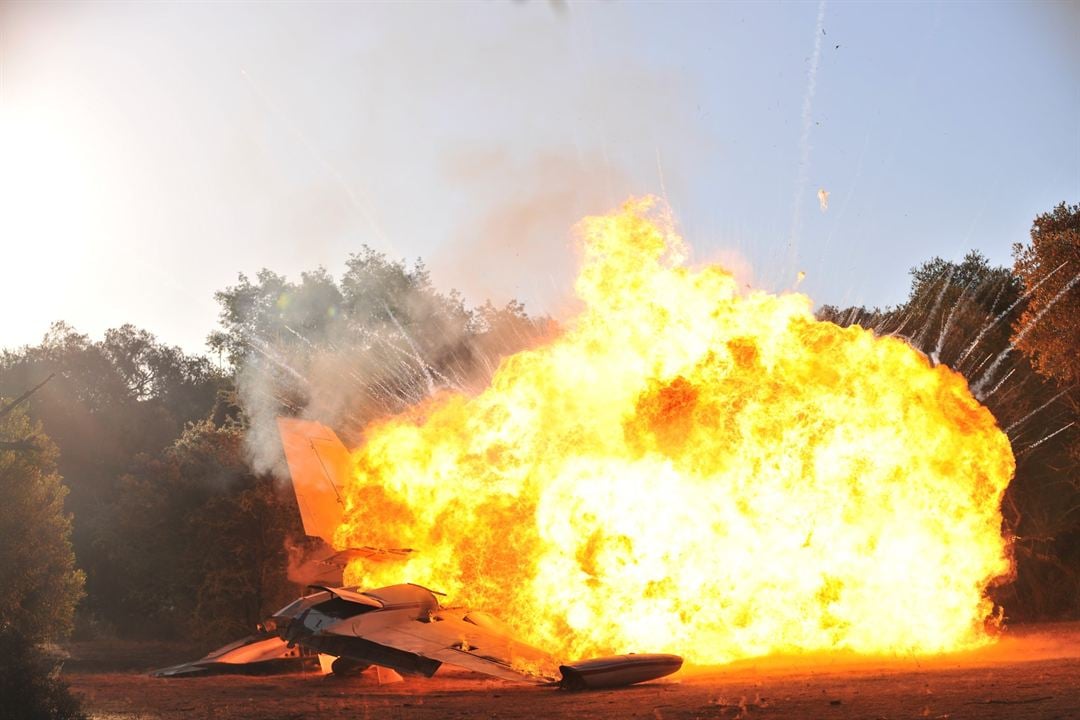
[[151, 151]]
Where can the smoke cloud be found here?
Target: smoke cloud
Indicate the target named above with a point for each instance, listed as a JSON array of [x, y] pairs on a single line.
[[346, 351]]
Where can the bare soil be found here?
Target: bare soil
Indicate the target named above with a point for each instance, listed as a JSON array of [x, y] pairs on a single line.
[[1032, 672]]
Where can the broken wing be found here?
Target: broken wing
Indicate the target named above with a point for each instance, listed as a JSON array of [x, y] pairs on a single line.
[[473, 641]]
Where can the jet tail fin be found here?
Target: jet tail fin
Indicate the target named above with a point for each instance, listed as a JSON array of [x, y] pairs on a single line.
[[319, 464]]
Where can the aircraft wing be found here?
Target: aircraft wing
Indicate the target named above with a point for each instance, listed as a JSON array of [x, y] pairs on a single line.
[[470, 640], [403, 627], [262, 653]]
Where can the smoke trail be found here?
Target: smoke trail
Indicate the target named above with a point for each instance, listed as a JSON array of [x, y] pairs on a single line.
[[1031, 414], [804, 139], [1004, 314], [1052, 435], [921, 337]]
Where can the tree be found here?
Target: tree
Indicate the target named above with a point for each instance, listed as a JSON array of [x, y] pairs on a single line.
[[243, 561], [39, 584], [29, 688], [1048, 335], [202, 541], [1048, 332], [350, 351], [971, 272], [161, 374], [109, 403]]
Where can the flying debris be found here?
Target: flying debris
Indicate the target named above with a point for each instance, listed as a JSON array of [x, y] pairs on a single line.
[[823, 199], [403, 627]]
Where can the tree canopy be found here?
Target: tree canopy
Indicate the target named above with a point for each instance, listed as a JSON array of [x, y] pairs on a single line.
[[349, 351], [39, 584], [1048, 331], [109, 402]]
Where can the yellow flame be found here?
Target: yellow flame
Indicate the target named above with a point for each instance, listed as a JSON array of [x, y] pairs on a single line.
[[690, 470]]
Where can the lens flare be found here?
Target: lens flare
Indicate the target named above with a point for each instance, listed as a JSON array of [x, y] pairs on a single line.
[[687, 469]]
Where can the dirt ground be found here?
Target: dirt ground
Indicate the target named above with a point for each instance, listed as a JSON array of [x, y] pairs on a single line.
[[1032, 672]]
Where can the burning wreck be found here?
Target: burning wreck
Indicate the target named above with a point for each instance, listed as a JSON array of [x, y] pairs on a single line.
[[402, 628], [687, 468], [697, 468]]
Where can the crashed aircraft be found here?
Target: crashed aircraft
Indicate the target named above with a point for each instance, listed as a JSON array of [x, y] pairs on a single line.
[[403, 627]]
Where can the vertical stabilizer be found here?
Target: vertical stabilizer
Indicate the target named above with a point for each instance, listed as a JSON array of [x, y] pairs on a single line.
[[319, 464]]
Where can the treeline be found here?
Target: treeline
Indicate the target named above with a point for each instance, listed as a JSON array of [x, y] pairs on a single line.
[[179, 532], [183, 530]]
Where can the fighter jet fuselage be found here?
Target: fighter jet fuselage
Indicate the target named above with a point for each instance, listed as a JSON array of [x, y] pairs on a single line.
[[403, 627]]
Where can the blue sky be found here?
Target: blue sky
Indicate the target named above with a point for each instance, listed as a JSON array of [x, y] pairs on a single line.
[[150, 152]]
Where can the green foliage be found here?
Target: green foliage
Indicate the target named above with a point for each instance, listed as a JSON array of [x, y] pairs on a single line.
[[29, 688], [177, 533], [1049, 330], [973, 271], [210, 562], [110, 402], [39, 584], [243, 566], [160, 374], [1048, 335], [350, 351]]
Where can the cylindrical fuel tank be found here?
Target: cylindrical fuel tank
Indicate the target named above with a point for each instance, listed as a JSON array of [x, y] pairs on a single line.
[[617, 670]]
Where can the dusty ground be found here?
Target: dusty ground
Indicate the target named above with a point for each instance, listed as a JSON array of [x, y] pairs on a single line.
[[1031, 673]]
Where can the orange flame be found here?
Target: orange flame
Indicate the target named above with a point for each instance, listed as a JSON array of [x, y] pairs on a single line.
[[690, 470]]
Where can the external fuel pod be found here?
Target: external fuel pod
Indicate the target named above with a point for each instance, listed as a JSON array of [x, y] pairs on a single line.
[[617, 670]]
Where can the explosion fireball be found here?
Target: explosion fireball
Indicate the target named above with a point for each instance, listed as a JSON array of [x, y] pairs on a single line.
[[688, 469]]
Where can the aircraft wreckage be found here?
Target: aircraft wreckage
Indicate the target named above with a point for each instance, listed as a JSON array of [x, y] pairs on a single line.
[[404, 627]]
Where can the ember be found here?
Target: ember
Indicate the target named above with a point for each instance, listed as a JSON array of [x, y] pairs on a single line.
[[688, 469]]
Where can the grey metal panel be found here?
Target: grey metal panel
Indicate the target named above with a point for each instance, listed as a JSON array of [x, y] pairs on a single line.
[[448, 638]]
